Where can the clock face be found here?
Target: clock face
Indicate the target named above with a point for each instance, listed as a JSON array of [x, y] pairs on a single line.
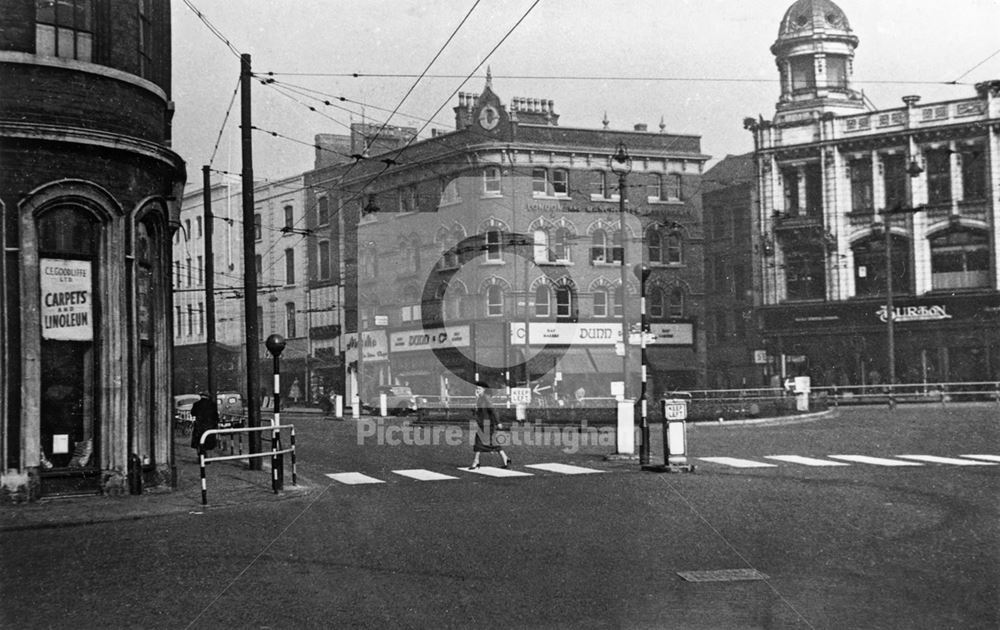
[[489, 117]]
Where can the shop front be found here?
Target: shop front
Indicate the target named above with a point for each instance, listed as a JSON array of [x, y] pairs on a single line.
[[947, 338], [373, 368]]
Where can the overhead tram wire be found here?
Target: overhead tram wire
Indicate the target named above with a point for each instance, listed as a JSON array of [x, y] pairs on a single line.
[[224, 121], [967, 72], [211, 27]]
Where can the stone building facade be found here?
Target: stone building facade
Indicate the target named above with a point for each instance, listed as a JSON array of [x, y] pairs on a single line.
[[89, 189]]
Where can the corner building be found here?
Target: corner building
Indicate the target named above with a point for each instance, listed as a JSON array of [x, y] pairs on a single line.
[[833, 177], [495, 251], [89, 189]]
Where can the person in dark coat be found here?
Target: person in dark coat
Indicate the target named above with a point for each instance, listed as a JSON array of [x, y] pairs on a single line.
[[206, 416], [486, 426]]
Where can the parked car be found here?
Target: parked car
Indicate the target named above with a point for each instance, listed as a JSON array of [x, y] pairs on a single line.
[[400, 400], [182, 411], [231, 410]]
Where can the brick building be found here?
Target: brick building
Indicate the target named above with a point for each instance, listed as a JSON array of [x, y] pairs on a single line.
[[89, 190], [837, 183], [494, 251]]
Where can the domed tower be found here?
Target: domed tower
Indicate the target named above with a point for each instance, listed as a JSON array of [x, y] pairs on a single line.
[[815, 55]]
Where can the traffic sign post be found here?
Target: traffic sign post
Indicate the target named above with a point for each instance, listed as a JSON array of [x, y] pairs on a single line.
[[674, 437]]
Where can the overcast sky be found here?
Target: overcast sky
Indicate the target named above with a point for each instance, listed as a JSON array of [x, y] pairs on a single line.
[[701, 65]]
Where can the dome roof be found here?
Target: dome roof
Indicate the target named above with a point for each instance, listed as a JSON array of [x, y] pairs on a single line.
[[808, 16]]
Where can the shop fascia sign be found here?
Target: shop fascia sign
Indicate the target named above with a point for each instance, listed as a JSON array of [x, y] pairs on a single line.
[[421, 339], [599, 334], [927, 313], [375, 346]]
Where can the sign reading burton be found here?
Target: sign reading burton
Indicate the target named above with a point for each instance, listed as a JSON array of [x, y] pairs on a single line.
[[67, 300]]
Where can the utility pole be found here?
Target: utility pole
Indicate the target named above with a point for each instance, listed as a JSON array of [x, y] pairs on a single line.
[[249, 266], [206, 196]]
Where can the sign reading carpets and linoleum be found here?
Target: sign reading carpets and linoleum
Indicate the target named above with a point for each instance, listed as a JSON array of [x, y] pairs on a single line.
[[67, 300]]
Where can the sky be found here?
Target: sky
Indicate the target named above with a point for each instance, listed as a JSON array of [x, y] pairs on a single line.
[[701, 66]]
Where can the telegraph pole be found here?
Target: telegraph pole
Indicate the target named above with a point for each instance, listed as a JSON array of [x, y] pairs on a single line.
[[206, 196], [249, 266]]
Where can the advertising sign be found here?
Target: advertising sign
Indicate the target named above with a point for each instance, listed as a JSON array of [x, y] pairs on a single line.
[[375, 346], [67, 300], [420, 339]]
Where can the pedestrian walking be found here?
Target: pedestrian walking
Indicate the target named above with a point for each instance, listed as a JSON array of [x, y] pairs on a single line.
[[206, 416], [486, 425], [295, 391]]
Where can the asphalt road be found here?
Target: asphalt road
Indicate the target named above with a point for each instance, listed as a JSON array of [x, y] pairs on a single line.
[[834, 546]]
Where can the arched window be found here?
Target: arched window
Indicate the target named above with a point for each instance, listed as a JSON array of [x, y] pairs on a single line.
[[599, 246], [561, 244], [960, 259], [494, 300], [675, 307], [541, 238], [654, 302], [600, 302], [617, 302], [564, 302], [494, 247], [543, 300], [68, 261], [654, 246], [675, 249]]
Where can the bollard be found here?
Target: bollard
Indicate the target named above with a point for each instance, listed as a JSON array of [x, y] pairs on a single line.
[[295, 477], [275, 344], [674, 437], [338, 406]]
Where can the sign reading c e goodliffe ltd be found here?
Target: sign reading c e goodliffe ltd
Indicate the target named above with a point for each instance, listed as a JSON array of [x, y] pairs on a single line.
[[67, 300]]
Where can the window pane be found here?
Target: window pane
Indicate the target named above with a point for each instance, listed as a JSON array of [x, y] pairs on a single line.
[[45, 40], [539, 181], [66, 43], [600, 304], [560, 182], [45, 11]]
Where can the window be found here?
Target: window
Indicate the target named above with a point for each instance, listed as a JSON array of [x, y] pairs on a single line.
[[599, 188], [179, 322], [654, 248], [64, 28], [146, 46], [564, 302], [805, 274], [803, 73], [869, 266], [939, 176], [960, 259], [560, 182], [494, 249], [323, 211], [190, 319], [790, 179], [836, 71], [561, 244], [616, 303], [601, 303], [654, 302], [494, 300], [289, 218], [814, 190], [197, 223], [290, 319], [675, 308], [491, 181], [675, 249], [201, 318], [449, 189], [861, 186], [258, 264], [543, 298], [599, 246], [323, 259], [541, 245], [187, 230], [257, 227], [408, 199], [189, 282], [289, 266], [539, 182], [665, 187], [177, 273], [973, 172], [201, 270], [894, 178], [369, 262], [260, 318]]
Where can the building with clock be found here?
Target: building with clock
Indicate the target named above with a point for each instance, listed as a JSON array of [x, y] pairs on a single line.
[[495, 251], [875, 244]]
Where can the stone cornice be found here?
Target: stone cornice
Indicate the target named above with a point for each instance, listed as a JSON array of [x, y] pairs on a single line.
[[82, 66]]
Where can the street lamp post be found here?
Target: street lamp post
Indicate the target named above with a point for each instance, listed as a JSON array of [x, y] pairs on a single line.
[[621, 165], [275, 345], [642, 273]]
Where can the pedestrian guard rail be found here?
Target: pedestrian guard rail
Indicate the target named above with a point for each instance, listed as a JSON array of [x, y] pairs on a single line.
[[235, 449]]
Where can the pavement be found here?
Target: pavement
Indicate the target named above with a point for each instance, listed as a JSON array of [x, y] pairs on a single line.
[[229, 483]]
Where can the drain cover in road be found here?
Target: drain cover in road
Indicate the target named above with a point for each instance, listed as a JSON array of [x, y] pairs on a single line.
[[722, 575]]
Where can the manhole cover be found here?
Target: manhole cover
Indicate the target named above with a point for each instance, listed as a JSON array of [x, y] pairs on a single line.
[[722, 575]]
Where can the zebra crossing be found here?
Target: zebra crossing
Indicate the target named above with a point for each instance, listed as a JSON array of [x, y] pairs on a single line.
[[766, 461]]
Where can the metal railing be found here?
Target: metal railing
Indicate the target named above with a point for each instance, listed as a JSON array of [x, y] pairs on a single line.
[[273, 453]]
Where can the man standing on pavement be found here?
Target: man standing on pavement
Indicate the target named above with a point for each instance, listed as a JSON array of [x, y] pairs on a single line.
[[206, 416]]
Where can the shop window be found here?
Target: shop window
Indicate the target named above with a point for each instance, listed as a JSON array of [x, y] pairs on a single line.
[[64, 28], [960, 259], [861, 186], [938, 176]]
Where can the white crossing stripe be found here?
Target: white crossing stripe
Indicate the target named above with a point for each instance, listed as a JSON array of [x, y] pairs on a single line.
[[353, 478], [933, 459], [806, 461], [491, 471], [738, 463], [565, 469], [988, 458], [423, 475], [876, 461]]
